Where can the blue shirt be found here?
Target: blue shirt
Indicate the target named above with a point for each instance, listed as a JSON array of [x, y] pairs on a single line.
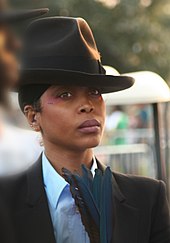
[[66, 219]]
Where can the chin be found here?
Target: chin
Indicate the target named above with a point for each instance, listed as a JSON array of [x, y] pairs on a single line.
[[91, 143]]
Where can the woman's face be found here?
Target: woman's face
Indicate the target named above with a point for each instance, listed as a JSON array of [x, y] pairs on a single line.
[[72, 117]]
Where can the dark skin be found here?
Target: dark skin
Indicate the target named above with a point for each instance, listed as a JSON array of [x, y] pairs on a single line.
[[9, 66], [63, 111]]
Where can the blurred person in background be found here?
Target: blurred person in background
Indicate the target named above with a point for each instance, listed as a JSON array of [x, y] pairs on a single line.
[[9, 75], [117, 124], [140, 124], [10, 44], [14, 142]]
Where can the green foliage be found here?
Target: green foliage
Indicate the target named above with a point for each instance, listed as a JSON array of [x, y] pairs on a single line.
[[133, 35]]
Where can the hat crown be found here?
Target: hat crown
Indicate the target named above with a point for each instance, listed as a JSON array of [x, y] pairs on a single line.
[[61, 36], [61, 43]]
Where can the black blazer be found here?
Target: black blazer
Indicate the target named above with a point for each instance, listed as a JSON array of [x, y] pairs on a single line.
[[142, 213]]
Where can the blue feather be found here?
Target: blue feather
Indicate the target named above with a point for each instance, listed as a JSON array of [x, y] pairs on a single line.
[[107, 208], [88, 199], [95, 200], [84, 200], [96, 187], [87, 177]]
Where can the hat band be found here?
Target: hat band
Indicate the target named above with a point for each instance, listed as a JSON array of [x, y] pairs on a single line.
[[78, 64]]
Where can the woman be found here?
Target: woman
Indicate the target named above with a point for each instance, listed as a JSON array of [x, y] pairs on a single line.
[[61, 95]]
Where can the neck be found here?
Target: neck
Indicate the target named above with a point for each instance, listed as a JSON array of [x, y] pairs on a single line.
[[68, 159]]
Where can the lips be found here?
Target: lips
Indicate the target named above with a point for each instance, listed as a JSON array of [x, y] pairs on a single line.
[[90, 126]]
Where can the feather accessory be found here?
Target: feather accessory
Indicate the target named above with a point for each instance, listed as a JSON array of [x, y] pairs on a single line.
[[94, 198]]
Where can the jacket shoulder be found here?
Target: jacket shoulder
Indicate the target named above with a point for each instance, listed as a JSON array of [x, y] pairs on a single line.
[[138, 189], [14, 188]]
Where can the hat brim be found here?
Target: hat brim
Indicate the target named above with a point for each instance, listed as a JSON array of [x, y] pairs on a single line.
[[10, 16], [106, 83]]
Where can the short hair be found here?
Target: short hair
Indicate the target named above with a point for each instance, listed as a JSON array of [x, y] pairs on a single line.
[[30, 95], [37, 105]]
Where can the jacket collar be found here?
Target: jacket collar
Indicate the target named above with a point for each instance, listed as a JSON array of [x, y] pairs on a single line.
[[35, 182], [36, 189]]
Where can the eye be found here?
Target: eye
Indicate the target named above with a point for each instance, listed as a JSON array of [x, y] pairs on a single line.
[[65, 95], [95, 92]]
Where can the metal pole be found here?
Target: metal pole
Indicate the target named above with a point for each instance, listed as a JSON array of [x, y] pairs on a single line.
[[166, 128], [161, 167]]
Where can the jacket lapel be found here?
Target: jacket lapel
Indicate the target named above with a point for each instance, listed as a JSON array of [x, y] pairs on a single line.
[[35, 220], [127, 217]]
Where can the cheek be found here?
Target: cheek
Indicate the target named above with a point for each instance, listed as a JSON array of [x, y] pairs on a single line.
[[52, 101], [101, 109], [55, 121]]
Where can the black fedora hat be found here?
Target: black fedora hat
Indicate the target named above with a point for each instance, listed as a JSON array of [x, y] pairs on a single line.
[[62, 50]]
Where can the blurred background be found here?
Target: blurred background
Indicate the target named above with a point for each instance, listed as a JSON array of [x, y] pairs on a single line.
[[132, 36]]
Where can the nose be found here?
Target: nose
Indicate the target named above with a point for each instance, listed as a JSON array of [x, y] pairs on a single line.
[[86, 108]]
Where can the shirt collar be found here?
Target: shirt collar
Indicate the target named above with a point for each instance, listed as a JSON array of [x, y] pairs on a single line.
[[94, 166], [54, 183]]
